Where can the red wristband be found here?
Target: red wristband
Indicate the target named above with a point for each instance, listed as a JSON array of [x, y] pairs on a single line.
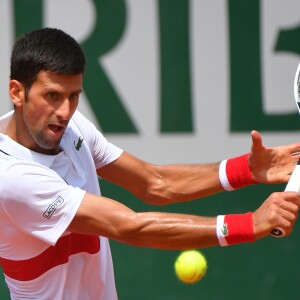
[[235, 229], [238, 172]]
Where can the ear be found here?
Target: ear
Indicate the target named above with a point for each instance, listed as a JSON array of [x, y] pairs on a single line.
[[17, 92]]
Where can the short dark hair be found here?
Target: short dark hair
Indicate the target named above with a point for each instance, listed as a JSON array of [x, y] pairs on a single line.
[[46, 49]]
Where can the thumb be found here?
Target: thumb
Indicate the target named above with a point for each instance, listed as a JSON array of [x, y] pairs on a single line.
[[256, 141]]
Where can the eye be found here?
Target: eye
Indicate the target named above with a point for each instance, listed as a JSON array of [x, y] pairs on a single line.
[[52, 95], [74, 97]]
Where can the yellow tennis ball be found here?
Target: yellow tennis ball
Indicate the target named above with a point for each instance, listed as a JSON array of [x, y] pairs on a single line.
[[190, 266]]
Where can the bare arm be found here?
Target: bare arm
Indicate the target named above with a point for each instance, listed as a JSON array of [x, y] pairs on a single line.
[[106, 217], [157, 184], [163, 184], [112, 219]]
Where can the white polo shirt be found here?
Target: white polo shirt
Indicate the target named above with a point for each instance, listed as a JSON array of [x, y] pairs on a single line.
[[39, 196]]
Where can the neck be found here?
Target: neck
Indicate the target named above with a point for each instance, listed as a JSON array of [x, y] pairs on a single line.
[[16, 131]]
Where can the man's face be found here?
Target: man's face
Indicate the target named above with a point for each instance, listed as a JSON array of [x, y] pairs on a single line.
[[47, 109]]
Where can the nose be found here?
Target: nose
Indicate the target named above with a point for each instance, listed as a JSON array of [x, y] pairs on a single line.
[[64, 111]]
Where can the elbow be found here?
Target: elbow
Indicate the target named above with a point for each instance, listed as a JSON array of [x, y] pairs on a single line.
[[157, 190], [129, 233], [156, 193], [133, 232], [154, 198], [159, 196]]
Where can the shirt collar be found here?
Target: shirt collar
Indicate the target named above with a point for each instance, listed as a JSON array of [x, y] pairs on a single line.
[[18, 151]]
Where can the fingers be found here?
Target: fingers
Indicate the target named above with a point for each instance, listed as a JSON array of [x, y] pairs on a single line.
[[257, 144], [294, 149], [286, 216], [289, 172], [272, 165], [284, 213], [280, 210]]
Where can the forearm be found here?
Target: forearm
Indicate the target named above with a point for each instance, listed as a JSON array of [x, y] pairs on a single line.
[[171, 231], [177, 183], [106, 217]]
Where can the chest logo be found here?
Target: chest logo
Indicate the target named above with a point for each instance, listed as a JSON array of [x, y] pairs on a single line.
[[78, 144]]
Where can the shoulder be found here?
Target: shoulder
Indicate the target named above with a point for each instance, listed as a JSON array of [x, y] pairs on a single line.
[[82, 123], [24, 174], [84, 128], [87, 131]]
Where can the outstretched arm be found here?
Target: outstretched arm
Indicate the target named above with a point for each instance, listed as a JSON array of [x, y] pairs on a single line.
[[106, 217], [161, 185]]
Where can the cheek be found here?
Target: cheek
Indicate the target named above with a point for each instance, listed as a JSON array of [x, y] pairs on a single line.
[[32, 115], [73, 106]]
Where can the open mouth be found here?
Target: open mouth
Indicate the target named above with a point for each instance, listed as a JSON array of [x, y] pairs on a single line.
[[55, 128]]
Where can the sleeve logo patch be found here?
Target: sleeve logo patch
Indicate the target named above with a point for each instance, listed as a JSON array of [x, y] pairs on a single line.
[[52, 207]]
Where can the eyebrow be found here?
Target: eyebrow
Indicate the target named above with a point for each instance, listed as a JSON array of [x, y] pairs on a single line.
[[55, 89]]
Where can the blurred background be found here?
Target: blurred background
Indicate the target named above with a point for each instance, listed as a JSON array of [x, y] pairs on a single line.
[[183, 81]]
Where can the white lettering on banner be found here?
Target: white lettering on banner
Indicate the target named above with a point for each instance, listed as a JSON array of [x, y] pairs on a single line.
[[136, 59]]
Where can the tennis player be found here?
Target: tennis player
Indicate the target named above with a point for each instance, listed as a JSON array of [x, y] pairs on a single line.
[[55, 224]]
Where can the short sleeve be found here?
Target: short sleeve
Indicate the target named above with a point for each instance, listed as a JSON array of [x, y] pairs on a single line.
[[103, 152], [37, 200]]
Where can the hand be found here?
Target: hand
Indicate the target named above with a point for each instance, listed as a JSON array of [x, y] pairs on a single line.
[[272, 165], [280, 210]]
